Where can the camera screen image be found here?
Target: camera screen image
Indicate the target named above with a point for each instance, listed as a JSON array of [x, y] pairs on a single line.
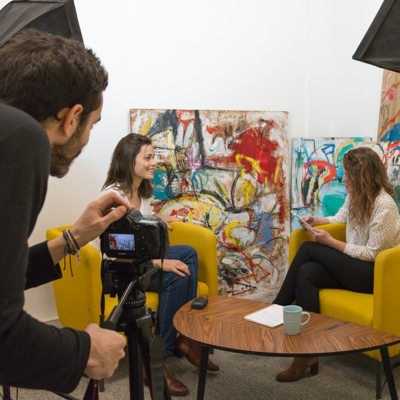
[[135, 236], [121, 241]]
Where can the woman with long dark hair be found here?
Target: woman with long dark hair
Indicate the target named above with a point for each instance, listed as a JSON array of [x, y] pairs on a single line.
[[373, 225], [130, 173]]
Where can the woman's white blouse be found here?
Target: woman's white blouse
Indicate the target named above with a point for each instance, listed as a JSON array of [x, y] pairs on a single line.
[[381, 233]]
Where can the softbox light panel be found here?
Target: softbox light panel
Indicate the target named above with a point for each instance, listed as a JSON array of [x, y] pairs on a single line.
[[56, 17], [381, 44]]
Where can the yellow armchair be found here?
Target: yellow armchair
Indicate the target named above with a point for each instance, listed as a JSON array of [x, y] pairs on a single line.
[[378, 310], [78, 293]]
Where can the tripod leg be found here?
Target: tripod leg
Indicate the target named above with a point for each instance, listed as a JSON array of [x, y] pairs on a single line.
[[135, 365], [148, 343], [6, 393]]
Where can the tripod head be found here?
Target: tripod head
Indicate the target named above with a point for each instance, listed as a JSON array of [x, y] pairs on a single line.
[[129, 280]]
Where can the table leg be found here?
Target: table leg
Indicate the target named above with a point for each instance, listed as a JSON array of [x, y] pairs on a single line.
[[389, 373], [202, 373]]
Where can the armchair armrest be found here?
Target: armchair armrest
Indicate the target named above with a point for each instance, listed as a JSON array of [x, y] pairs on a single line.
[[204, 241], [387, 291]]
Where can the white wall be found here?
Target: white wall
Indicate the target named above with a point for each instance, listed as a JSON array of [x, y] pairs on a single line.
[[286, 55]]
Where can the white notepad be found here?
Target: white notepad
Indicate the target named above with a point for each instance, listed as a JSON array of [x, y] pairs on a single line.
[[271, 316]]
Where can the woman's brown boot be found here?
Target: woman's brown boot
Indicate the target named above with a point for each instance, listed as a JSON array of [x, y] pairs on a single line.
[[296, 370], [192, 351], [175, 387]]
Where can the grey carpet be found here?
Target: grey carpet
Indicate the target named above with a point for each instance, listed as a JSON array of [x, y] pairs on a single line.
[[244, 377]]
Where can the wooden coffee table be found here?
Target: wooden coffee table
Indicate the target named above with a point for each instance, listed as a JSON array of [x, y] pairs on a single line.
[[221, 325]]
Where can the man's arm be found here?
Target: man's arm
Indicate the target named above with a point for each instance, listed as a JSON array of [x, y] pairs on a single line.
[[104, 347]]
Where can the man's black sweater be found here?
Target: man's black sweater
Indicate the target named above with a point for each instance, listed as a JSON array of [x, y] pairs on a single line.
[[32, 354]]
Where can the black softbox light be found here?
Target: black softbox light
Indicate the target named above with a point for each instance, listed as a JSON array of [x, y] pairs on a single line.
[[381, 44], [56, 17]]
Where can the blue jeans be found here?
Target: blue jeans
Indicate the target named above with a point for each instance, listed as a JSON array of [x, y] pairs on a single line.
[[176, 292]]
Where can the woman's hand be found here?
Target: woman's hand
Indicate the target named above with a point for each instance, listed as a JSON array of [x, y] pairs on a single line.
[[311, 220], [323, 237], [176, 266]]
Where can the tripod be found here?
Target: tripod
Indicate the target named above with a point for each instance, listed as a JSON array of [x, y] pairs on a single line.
[[131, 317]]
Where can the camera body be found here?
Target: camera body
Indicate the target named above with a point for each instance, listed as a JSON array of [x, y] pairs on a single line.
[[135, 236]]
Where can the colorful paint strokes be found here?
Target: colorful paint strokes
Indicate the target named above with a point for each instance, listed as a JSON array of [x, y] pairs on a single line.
[[317, 172], [227, 171], [389, 114]]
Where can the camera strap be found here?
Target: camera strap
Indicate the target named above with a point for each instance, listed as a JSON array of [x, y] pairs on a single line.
[[160, 286], [105, 289], [92, 390], [157, 355], [160, 281], [157, 348]]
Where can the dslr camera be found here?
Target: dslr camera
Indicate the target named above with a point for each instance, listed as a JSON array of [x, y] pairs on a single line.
[[135, 237], [131, 243]]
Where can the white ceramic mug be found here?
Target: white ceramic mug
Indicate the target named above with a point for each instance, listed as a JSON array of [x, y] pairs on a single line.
[[292, 316]]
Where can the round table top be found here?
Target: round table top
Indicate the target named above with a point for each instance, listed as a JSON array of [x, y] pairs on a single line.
[[221, 325]]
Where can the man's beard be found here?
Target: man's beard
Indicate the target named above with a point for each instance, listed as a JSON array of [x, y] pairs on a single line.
[[62, 155]]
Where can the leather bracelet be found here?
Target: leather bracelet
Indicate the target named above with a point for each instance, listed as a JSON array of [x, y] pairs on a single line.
[[76, 245], [71, 246]]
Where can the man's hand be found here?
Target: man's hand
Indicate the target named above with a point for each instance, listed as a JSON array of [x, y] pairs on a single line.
[[167, 219], [99, 214], [106, 349]]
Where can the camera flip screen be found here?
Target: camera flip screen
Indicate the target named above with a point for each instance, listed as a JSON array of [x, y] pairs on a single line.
[[135, 236], [121, 241]]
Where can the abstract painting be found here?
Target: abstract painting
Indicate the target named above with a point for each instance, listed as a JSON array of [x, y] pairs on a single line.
[[227, 171], [389, 114], [317, 173]]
